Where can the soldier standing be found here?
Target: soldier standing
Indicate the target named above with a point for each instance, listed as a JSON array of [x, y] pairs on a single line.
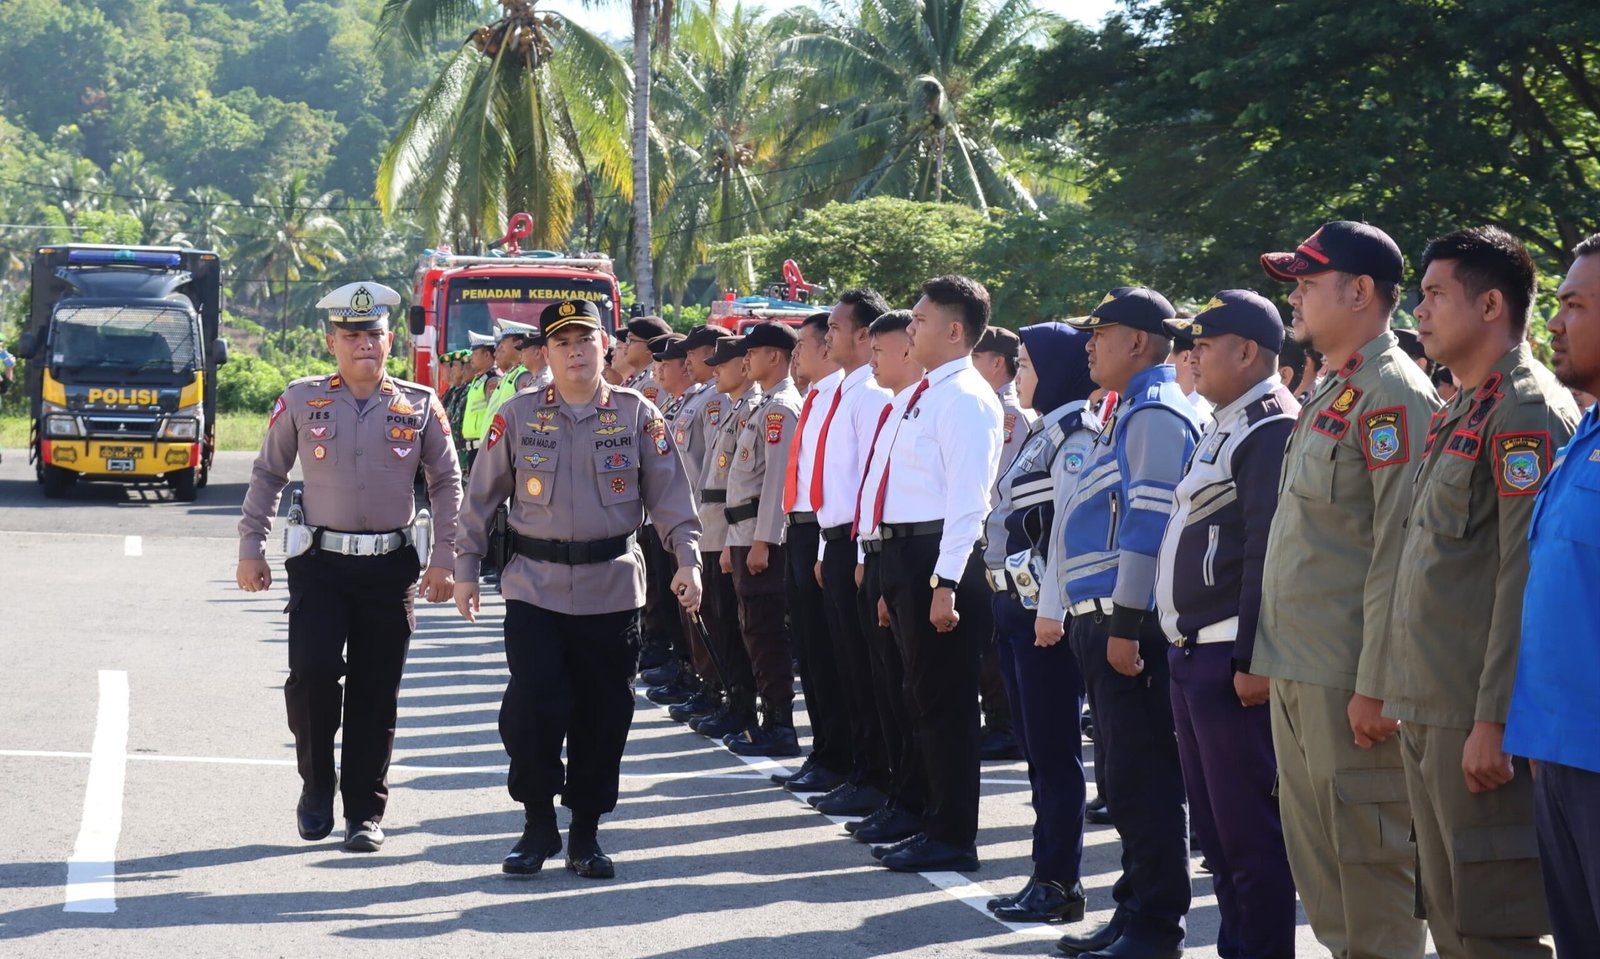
[[755, 556], [1325, 638], [352, 563], [582, 462], [1458, 601]]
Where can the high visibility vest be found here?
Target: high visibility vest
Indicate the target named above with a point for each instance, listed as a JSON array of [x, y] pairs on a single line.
[[476, 419], [506, 389]]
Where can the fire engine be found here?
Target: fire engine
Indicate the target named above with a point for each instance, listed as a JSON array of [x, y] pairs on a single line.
[[789, 301]]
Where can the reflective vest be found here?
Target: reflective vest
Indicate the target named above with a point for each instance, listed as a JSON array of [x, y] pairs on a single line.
[[476, 419], [506, 389]]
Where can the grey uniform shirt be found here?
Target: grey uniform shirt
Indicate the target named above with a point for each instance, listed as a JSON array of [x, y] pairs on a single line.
[[761, 463], [359, 462], [724, 419], [688, 431], [578, 475], [1015, 424]]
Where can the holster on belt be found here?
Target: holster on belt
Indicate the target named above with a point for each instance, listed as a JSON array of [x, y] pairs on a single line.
[[297, 536]]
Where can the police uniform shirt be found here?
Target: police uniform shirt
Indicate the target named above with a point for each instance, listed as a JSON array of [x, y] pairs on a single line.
[[688, 431], [1015, 423], [536, 381], [1334, 548], [645, 383], [1028, 483], [359, 462], [861, 399], [820, 397], [761, 463], [1458, 599], [1065, 472], [942, 457], [578, 475], [1208, 573], [877, 457], [724, 420]]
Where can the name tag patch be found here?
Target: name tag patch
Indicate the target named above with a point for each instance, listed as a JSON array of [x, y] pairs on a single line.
[[1329, 423]]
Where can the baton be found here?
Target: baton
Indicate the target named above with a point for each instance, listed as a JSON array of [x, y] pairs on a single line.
[[711, 650]]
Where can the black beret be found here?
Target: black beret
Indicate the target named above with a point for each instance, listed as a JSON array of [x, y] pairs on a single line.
[[780, 336]]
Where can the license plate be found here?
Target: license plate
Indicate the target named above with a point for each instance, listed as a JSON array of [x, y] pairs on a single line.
[[121, 452], [120, 466]]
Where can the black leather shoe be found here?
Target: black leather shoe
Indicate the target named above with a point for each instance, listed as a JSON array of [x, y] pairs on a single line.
[[540, 841], [591, 863], [667, 672], [780, 779], [1046, 902], [669, 694], [850, 800], [314, 815], [998, 745], [876, 816], [1097, 817], [932, 855], [769, 739], [999, 901], [819, 779], [724, 722], [896, 825], [364, 836], [1126, 948], [653, 655], [878, 852], [1098, 939], [702, 703]]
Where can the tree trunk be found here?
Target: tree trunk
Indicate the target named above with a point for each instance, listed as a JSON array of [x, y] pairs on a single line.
[[643, 277]]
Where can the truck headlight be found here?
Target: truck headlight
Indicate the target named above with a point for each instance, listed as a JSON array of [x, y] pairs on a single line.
[[182, 425], [61, 424]]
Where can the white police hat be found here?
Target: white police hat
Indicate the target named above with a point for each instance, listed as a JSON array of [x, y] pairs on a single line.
[[363, 305], [510, 328], [476, 339]]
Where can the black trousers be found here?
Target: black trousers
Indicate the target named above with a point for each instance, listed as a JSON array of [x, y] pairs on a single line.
[[908, 783], [571, 682], [719, 609], [762, 623], [941, 680], [809, 628], [1141, 780], [661, 624], [350, 617], [868, 755]]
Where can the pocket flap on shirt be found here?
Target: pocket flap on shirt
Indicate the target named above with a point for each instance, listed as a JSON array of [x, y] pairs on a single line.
[[1362, 786]]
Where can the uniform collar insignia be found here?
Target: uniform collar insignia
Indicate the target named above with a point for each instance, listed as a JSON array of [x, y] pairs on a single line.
[[335, 382], [1490, 384], [1352, 364], [388, 385], [550, 396]]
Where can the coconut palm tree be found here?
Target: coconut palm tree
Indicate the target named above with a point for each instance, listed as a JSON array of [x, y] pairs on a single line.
[[285, 233], [527, 109], [892, 78]]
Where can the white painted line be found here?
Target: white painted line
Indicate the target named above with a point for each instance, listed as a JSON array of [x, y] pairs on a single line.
[[132, 546], [92, 870]]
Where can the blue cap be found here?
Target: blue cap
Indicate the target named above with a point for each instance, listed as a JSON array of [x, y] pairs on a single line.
[[1243, 313], [1132, 306]]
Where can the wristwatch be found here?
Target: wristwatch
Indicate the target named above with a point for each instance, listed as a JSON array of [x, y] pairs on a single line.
[[941, 582]]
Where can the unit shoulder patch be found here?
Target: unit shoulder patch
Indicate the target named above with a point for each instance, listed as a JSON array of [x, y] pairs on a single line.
[[277, 411], [1384, 440], [657, 430], [774, 428], [1522, 460]]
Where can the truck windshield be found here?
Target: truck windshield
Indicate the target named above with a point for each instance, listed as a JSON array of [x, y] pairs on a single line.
[[477, 302], [140, 338]]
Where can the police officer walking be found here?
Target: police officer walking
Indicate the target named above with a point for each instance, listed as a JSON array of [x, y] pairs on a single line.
[[582, 461], [354, 555], [1325, 638], [1459, 596], [1208, 589], [1111, 534]]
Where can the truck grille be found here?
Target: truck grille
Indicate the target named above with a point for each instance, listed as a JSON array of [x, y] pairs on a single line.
[[130, 425]]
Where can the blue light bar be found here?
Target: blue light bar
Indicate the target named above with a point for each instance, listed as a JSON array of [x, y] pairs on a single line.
[[123, 258]]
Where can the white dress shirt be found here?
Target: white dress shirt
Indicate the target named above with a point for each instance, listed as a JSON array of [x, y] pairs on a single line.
[[861, 399], [819, 396], [942, 458], [872, 471]]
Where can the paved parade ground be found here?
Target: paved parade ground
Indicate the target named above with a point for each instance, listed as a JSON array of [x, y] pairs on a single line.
[[147, 788]]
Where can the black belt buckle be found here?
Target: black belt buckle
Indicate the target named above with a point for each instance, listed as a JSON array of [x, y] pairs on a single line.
[[803, 518], [831, 534]]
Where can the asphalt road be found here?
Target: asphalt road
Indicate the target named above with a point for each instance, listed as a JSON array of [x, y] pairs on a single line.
[[189, 790]]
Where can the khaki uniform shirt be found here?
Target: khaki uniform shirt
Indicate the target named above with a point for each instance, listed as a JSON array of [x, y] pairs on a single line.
[[724, 419], [359, 462], [1335, 542], [760, 465], [688, 431], [645, 383], [578, 475], [1458, 601]]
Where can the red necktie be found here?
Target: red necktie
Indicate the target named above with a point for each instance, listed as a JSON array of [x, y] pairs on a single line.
[[855, 525], [791, 478], [822, 449], [883, 484]]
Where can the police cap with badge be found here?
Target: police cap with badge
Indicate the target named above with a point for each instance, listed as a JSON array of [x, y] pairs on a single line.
[[1243, 313], [1132, 306], [363, 305], [1359, 249], [668, 346], [564, 313]]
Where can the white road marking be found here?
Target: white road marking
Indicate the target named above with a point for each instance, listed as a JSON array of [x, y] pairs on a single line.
[[132, 546], [92, 870]]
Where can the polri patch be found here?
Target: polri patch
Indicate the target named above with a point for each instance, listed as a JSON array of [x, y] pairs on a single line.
[[497, 429], [1523, 460], [657, 429], [1384, 438], [277, 411], [774, 428], [441, 416], [714, 412], [650, 393]]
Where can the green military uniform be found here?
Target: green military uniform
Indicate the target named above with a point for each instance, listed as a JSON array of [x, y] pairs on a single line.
[[1458, 625], [1332, 554]]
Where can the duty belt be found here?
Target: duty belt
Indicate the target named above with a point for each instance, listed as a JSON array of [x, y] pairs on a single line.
[[358, 544], [932, 527], [831, 534], [802, 519], [742, 512], [1224, 632], [713, 496], [570, 553], [1101, 606]]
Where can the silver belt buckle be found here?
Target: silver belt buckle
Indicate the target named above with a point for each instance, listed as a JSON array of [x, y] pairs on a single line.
[[366, 545], [997, 579]]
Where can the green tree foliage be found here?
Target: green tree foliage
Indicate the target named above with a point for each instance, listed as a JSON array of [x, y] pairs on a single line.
[[1217, 129], [248, 384]]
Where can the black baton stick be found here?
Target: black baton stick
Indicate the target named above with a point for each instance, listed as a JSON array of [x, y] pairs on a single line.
[[711, 650]]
